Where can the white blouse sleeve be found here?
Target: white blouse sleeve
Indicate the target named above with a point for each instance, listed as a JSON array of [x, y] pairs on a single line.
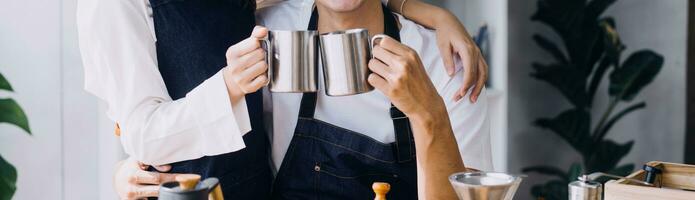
[[265, 3], [119, 57], [471, 127], [469, 121]]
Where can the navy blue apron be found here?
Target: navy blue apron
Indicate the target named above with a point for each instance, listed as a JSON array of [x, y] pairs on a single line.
[[325, 161], [192, 39]]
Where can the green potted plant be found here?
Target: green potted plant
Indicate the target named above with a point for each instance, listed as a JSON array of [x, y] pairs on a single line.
[[590, 49], [12, 113]]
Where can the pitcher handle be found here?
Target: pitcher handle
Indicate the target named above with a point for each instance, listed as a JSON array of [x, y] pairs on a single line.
[[374, 38], [216, 193], [268, 47]]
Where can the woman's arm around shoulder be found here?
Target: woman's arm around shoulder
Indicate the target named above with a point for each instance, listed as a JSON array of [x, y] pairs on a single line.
[[453, 41]]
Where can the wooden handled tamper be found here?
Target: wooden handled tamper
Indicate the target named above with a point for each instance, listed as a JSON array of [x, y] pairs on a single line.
[[188, 181], [380, 189]]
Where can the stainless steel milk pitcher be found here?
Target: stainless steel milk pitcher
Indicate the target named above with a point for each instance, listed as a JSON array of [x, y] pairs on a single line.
[[292, 58], [345, 55]]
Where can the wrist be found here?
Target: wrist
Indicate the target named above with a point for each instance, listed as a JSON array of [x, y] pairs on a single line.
[[233, 89], [431, 116], [444, 18]]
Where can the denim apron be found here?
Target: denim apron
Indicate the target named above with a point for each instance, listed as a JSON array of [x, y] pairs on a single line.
[[192, 39], [325, 161]]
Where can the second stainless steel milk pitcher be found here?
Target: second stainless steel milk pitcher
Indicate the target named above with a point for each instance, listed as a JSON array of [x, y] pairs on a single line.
[[292, 60], [345, 56]]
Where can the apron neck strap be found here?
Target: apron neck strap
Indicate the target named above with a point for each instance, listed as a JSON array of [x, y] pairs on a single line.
[[308, 103], [405, 145], [307, 107]]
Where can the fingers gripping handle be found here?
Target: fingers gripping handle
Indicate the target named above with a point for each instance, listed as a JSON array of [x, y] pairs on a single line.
[[268, 47], [374, 41]]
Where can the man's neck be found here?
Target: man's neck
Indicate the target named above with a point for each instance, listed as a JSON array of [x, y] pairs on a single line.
[[369, 15]]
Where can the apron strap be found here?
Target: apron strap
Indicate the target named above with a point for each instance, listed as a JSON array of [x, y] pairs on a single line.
[[308, 104], [405, 143]]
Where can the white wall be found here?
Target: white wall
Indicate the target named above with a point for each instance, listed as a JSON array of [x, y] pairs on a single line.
[[658, 130], [30, 59], [72, 151]]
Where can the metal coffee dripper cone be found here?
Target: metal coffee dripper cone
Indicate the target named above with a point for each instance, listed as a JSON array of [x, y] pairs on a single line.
[[485, 185]]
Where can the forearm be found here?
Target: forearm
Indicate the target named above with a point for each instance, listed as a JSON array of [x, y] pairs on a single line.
[[423, 13], [121, 69], [437, 153], [233, 91], [159, 131]]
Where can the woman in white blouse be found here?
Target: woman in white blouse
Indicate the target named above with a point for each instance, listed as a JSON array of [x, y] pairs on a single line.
[[123, 66]]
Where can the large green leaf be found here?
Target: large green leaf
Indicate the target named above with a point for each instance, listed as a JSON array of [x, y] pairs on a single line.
[[537, 190], [573, 126], [4, 84], [635, 73], [596, 79], [596, 7], [567, 79], [574, 172], [561, 15], [606, 156], [10, 112], [611, 39], [552, 190], [581, 34], [613, 49], [555, 190], [8, 178], [604, 130], [547, 170], [592, 41], [551, 48]]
